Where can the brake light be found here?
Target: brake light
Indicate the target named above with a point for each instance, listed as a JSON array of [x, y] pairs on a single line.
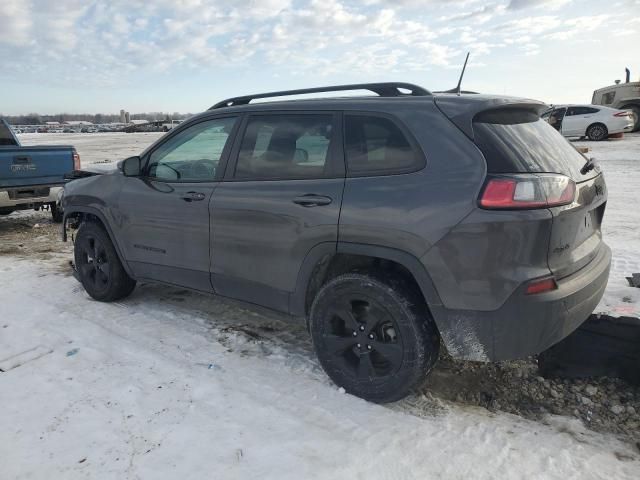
[[527, 191], [541, 286], [76, 160], [621, 114]]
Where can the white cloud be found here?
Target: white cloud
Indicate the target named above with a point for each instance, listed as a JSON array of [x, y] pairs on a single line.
[[109, 40], [547, 4], [577, 26], [15, 22]]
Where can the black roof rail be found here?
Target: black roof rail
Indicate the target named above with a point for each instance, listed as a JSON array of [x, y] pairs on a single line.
[[387, 89]]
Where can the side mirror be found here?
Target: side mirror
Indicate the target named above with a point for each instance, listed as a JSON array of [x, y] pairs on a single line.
[[130, 167]]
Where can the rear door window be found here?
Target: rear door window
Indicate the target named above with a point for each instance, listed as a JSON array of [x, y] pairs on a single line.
[[285, 147], [584, 110], [6, 135], [377, 146], [518, 141]]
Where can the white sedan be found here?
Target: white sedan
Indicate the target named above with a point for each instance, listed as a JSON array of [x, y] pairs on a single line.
[[593, 121]]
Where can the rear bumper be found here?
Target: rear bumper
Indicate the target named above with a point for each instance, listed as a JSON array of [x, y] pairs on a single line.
[[525, 324], [13, 199]]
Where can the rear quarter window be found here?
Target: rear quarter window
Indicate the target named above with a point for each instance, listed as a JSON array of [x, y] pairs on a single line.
[[376, 145], [518, 141]]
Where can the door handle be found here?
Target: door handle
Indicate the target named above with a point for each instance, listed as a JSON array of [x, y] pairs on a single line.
[[311, 200], [193, 196]]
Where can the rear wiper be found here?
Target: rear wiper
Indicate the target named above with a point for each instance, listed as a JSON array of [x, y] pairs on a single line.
[[588, 166]]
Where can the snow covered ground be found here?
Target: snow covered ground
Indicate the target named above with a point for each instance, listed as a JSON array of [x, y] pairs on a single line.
[[171, 384]]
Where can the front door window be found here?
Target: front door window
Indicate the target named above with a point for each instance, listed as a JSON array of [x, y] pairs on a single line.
[[193, 154]]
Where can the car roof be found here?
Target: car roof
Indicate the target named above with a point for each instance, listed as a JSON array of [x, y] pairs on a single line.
[[460, 108]]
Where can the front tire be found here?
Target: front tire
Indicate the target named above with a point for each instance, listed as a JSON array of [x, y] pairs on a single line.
[[597, 132], [373, 337], [98, 265]]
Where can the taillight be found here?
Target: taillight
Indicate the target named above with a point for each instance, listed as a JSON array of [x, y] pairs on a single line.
[[76, 161], [526, 191], [541, 286], [621, 114]]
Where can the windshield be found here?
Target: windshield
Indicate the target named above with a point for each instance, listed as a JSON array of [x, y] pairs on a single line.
[[518, 141]]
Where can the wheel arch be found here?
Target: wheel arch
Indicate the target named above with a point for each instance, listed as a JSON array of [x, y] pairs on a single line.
[[328, 260], [84, 213]]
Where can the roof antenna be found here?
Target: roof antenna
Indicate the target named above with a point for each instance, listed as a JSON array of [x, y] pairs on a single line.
[[464, 67]]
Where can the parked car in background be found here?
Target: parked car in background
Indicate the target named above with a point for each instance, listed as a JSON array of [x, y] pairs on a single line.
[[32, 177], [388, 222], [625, 96], [591, 121]]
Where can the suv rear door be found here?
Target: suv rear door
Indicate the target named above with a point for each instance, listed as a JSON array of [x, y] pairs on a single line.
[[280, 197]]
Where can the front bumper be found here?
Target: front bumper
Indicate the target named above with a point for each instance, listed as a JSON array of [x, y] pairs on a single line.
[[525, 324]]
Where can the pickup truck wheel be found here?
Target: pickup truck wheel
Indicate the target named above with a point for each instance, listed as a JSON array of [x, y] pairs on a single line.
[[99, 268], [373, 337], [56, 212]]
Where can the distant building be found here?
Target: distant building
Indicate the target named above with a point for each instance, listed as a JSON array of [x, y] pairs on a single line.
[[138, 122], [127, 117], [52, 123], [122, 116]]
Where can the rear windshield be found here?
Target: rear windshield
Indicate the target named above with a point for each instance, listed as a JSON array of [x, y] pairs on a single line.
[[518, 141], [6, 136]]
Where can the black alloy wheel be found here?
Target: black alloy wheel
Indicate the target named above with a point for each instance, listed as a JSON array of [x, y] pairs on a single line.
[[93, 262], [374, 337], [98, 265]]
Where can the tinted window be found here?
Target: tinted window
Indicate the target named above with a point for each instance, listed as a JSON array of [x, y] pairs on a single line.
[[607, 98], [581, 111], [285, 147], [193, 154], [518, 141], [377, 145]]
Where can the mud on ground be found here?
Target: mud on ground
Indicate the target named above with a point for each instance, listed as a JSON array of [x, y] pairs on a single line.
[[602, 404]]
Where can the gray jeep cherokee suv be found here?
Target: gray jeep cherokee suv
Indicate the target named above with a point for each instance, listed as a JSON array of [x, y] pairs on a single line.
[[390, 222]]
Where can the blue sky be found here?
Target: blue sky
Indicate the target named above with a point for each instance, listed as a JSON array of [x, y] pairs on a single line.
[[96, 56]]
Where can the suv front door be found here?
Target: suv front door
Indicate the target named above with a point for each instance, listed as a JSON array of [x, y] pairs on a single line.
[[281, 197], [165, 212]]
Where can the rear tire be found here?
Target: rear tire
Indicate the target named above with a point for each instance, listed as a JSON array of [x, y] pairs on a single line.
[[597, 132], [98, 265], [56, 212], [373, 337]]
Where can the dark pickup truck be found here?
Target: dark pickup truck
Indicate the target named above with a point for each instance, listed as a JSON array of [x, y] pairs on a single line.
[[31, 177]]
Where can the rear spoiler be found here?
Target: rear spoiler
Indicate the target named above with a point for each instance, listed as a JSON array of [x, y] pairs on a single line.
[[462, 112]]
